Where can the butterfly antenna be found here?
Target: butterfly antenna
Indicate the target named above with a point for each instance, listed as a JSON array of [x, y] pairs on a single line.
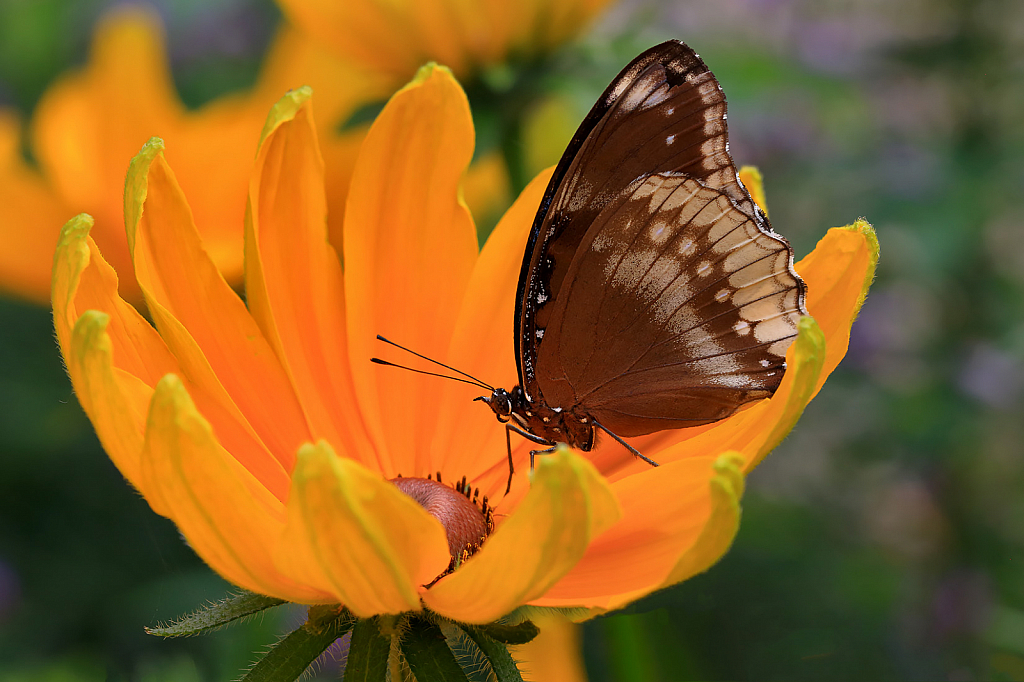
[[482, 384], [378, 361]]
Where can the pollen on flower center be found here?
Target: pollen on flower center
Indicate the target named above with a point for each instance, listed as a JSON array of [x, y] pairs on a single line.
[[467, 519]]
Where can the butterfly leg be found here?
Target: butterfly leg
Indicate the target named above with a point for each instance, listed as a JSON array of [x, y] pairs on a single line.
[[511, 469], [534, 453], [626, 445], [509, 428]]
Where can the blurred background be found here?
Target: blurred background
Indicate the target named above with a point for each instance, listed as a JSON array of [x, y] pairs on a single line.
[[882, 540]]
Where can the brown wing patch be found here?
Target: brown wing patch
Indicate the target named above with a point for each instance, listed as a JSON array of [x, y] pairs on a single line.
[[678, 307]]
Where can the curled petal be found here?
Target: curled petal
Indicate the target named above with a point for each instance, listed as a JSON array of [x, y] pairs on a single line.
[[114, 400], [227, 516], [718, 533], [294, 284], [838, 274], [356, 536], [568, 505], [678, 520], [205, 324]]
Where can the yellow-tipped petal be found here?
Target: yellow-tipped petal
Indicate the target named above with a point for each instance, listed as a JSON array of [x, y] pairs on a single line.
[[205, 324], [720, 529], [410, 246], [115, 401], [228, 518], [294, 282], [838, 274], [354, 534], [678, 518], [568, 505]]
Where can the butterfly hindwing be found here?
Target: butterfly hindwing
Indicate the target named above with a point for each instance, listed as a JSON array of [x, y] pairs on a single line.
[[677, 308]]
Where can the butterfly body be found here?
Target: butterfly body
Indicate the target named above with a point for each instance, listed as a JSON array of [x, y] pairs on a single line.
[[547, 425], [653, 292]]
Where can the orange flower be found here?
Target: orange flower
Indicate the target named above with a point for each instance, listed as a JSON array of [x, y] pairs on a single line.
[[90, 122], [394, 38], [262, 429]]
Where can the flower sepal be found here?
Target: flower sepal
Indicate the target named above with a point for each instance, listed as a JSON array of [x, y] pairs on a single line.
[[217, 615], [412, 646]]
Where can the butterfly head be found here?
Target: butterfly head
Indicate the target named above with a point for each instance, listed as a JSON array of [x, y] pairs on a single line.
[[500, 401]]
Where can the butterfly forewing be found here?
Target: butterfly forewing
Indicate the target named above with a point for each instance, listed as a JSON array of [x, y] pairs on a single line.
[[653, 293], [664, 112], [677, 309]]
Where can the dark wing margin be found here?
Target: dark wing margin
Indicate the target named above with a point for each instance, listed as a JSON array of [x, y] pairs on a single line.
[[664, 112]]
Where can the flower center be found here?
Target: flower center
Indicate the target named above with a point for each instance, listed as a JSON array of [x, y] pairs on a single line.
[[467, 519]]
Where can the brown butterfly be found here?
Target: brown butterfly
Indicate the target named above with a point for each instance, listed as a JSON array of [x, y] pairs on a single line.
[[653, 292]]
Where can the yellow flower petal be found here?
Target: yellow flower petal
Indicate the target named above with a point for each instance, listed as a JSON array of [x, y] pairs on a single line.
[[716, 537], [115, 372], [838, 274], [115, 401], [228, 518], [410, 246], [568, 505], [678, 520], [207, 327], [294, 283], [356, 535]]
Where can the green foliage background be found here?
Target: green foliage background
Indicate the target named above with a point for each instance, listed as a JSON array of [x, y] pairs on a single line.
[[882, 540]]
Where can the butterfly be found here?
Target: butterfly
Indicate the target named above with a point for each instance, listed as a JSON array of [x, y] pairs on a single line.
[[653, 292]]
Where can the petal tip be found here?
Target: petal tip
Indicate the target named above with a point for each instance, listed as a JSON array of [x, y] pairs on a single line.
[[286, 109], [729, 474], [75, 230], [90, 334], [809, 335]]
